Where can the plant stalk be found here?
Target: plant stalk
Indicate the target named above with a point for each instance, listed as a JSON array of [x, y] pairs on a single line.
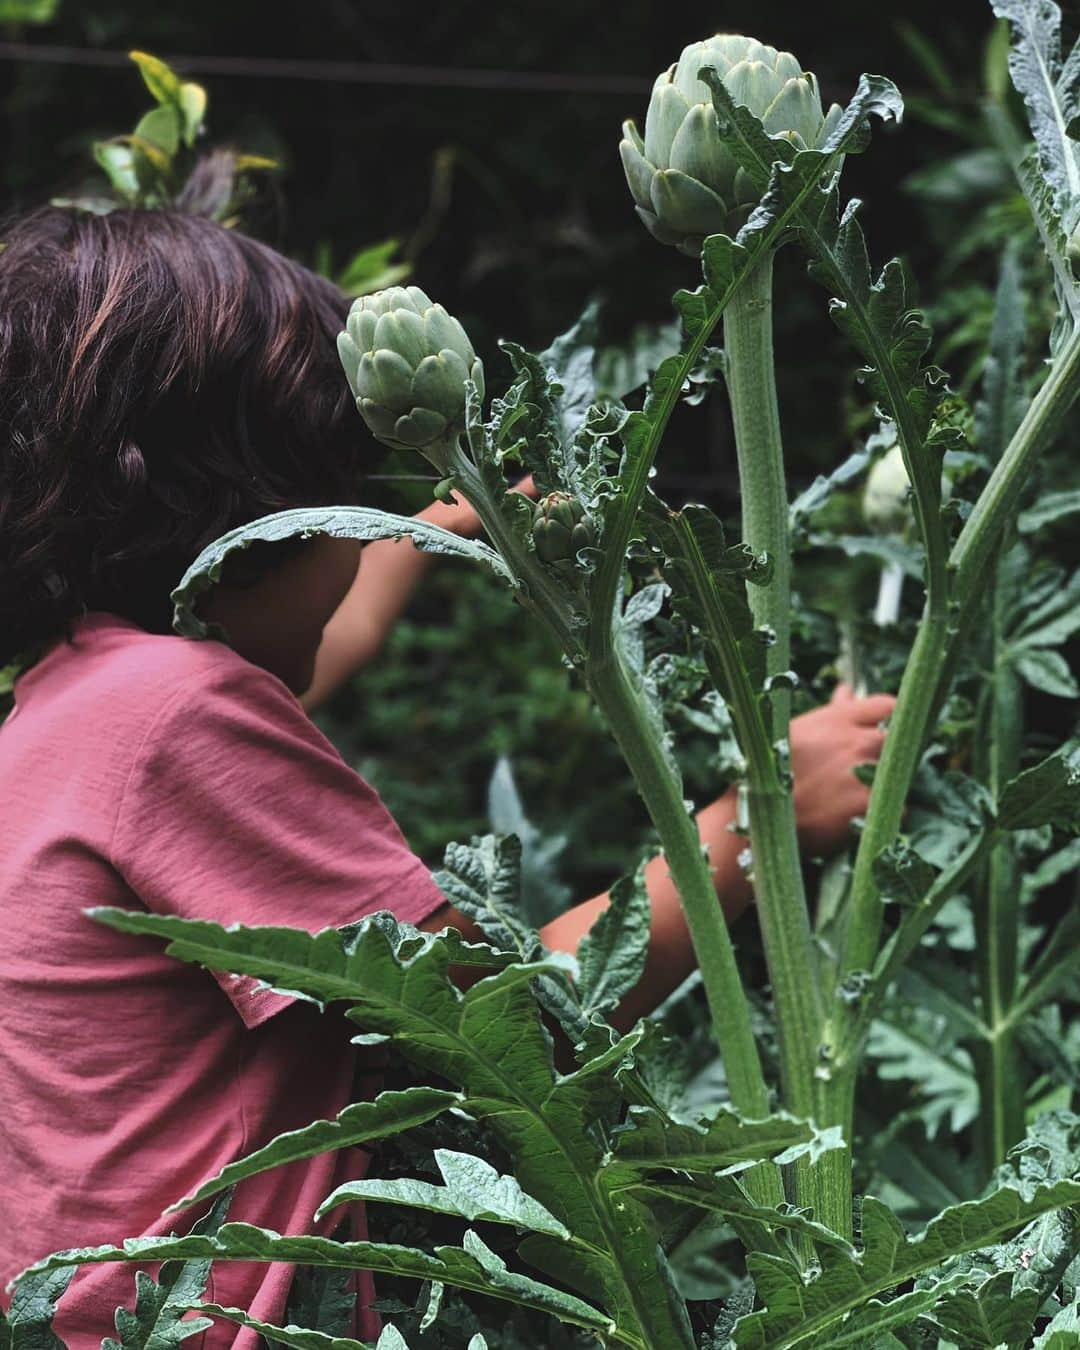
[[997, 918], [776, 867], [922, 691], [751, 383], [661, 791]]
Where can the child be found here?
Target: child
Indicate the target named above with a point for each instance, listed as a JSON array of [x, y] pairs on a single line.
[[163, 380]]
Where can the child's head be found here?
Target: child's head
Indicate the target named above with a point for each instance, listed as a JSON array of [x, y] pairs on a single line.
[[162, 380]]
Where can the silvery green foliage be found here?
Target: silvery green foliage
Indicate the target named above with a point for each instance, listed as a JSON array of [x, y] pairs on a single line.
[[407, 362], [684, 181], [1049, 81]]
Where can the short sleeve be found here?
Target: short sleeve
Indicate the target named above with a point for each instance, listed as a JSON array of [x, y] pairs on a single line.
[[237, 809]]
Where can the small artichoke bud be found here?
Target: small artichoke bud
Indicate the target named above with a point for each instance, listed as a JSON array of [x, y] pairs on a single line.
[[407, 361], [886, 507], [560, 528], [683, 180]]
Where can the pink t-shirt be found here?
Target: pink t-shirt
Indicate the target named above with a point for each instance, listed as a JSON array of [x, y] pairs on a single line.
[[148, 770]]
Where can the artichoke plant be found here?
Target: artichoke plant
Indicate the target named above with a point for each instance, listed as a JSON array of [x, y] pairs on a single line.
[[560, 528], [685, 183], [407, 362]]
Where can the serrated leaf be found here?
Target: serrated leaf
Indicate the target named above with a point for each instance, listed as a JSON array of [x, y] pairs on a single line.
[[612, 954], [386, 1114], [1048, 794], [821, 491], [489, 1040], [159, 1320], [483, 879], [1050, 87], [989, 1314], [839, 1306], [472, 1190], [473, 1266], [941, 1075], [339, 522], [27, 1324], [1063, 1332], [903, 876], [650, 1141]]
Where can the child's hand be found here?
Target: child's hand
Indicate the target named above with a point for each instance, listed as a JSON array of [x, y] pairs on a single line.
[[459, 516], [826, 744]]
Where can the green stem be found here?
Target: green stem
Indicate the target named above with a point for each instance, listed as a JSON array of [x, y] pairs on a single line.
[[661, 791], [922, 690], [932, 652], [751, 383], [777, 869], [997, 919], [538, 587]]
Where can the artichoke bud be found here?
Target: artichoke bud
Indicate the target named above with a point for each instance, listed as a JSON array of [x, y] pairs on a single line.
[[885, 503], [684, 182], [407, 362], [560, 528]]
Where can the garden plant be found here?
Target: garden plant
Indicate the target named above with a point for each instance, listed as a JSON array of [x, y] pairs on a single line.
[[742, 1127]]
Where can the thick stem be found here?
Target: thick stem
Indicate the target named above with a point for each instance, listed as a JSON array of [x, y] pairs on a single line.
[[777, 869], [751, 382], [929, 670], [933, 652], [997, 919], [661, 792], [776, 873]]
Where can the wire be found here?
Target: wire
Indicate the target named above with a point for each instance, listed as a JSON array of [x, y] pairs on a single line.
[[346, 72]]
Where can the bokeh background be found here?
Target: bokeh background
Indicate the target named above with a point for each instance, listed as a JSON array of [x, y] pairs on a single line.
[[482, 138]]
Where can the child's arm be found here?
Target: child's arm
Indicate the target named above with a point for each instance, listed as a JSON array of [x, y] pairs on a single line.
[[826, 745], [388, 573]]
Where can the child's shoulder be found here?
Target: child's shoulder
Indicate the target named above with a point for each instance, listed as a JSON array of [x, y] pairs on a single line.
[[112, 664]]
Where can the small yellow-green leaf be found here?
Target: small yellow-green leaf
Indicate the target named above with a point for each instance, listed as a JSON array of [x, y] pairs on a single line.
[[162, 81], [191, 102]]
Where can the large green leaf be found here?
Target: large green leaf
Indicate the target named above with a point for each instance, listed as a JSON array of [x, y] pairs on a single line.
[[1063, 1333], [838, 1306], [489, 1040], [386, 1114], [296, 1338], [473, 1266], [339, 522]]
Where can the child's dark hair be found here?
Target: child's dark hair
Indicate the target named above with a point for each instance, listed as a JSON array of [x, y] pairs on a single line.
[[162, 380]]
